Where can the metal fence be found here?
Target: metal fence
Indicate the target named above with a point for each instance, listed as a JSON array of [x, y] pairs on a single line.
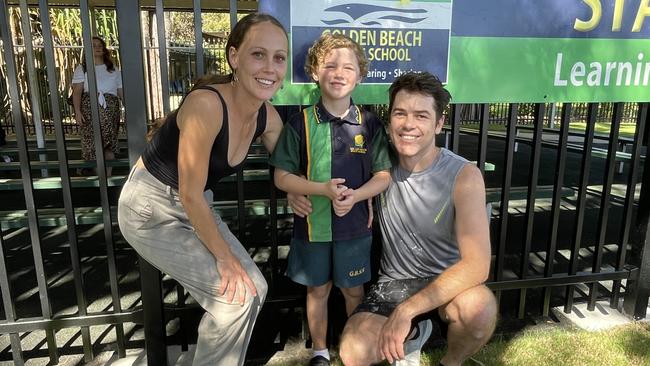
[[570, 209], [181, 68]]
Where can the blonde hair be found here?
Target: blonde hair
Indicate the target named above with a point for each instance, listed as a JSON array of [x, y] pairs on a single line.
[[328, 42]]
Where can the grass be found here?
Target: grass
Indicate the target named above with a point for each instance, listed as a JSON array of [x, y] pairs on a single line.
[[625, 130], [627, 345]]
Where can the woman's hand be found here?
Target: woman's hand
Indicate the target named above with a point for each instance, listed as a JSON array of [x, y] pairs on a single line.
[[78, 116], [234, 279], [300, 205]]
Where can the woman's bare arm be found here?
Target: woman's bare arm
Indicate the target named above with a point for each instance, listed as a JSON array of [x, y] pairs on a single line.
[[199, 121]]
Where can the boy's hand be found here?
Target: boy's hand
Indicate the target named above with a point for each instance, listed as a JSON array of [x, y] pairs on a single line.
[[344, 204], [334, 188]]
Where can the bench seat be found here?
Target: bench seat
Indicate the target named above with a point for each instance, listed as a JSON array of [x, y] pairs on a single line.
[[493, 195], [52, 217], [113, 181], [72, 164]]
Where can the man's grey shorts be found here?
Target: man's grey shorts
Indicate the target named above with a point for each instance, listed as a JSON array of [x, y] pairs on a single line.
[[383, 297]]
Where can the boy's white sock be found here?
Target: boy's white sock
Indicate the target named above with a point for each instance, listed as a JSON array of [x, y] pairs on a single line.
[[322, 352]]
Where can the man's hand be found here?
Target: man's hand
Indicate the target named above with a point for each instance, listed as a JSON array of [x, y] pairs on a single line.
[[234, 279], [393, 334], [344, 204], [300, 205]]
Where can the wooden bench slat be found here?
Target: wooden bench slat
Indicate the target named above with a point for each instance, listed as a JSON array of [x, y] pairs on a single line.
[[51, 217], [55, 182], [54, 164], [72, 164], [602, 153], [521, 193], [250, 175]]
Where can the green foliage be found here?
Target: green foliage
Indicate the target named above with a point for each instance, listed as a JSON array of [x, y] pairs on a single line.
[[526, 109], [381, 110], [5, 107], [180, 25], [66, 26]]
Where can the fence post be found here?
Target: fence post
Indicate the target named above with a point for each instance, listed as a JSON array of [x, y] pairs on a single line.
[[198, 39], [133, 75], [130, 36], [638, 291], [233, 15]]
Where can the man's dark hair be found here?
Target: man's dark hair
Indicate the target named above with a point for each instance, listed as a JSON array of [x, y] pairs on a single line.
[[421, 82]]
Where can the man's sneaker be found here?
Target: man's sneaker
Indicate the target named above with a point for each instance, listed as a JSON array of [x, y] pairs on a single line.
[[319, 361], [413, 346]]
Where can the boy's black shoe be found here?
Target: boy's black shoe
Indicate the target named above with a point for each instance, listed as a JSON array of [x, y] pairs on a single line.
[[319, 361]]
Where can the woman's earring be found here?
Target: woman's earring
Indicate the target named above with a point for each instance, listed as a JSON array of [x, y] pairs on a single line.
[[234, 78]]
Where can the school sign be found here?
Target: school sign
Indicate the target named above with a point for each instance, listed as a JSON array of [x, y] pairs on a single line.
[[486, 51]]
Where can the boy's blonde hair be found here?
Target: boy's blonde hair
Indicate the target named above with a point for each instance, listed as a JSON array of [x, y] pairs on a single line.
[[328, 42]]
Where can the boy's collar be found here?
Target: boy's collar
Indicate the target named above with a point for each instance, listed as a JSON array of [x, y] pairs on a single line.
[[323, 115]]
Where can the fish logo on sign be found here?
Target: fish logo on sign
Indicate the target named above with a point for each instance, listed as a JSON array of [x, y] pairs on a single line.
[[375, 14]]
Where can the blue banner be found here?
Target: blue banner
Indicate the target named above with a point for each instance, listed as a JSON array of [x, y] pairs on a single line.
[[549, 19]]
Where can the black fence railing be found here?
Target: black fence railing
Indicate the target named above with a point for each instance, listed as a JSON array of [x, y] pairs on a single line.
[[569, 215], [180, 85], [181, 71]]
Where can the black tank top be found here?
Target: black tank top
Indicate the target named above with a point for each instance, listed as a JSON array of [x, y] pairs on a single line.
[[160, 157]]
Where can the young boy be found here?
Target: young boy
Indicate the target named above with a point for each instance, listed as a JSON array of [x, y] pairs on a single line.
[[343, 153]]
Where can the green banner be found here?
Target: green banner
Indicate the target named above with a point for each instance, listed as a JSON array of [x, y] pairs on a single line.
[[548, 70], [485, 51]]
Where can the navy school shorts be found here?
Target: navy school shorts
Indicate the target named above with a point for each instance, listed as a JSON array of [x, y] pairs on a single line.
[[346, 262]]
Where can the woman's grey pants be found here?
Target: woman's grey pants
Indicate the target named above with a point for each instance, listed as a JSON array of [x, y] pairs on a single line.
[[154, 222]]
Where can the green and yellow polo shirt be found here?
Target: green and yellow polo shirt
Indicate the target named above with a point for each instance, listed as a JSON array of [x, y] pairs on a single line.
[[320, 146]]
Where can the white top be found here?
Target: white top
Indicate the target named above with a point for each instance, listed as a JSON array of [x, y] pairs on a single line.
[[107, 82]]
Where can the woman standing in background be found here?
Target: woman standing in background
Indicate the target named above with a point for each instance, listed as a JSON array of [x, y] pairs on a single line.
[[109, 93]]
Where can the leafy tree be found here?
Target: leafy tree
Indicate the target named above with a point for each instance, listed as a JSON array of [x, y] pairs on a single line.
[[179, 26]]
